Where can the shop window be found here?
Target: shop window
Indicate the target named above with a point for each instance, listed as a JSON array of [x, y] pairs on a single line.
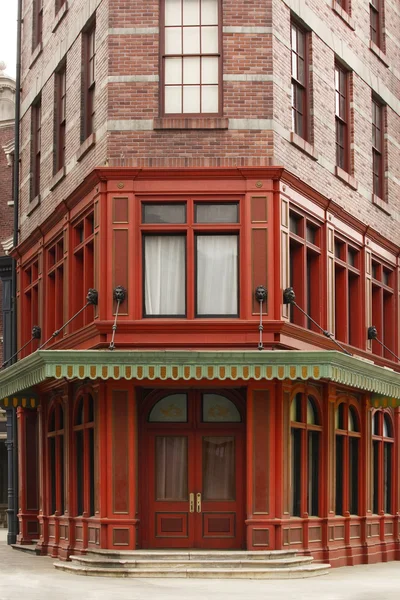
[[30, 279], [305, 455], [347, 458], [82, 268], [180, 240], [84, 449], [347, 293], [383, 307], [305, 269], [54, 317], [342, 115], [300, 88], [382, 462], [55, 448], [191, 54]]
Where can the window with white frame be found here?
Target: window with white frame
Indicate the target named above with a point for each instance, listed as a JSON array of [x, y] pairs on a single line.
[[191, 57]]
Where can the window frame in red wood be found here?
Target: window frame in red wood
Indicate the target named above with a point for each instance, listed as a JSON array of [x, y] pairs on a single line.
[[300, 87], [302, 252], [342, 118], [36, 128], [305, 429], [162, 67], [383, 302], [56, 472], [55, 268], [348, 482], [190, 229], [88, 81], [348, 286], [379, 471], [88, 483], [82, 257], [378, 149], [30, 295], [60, 111]]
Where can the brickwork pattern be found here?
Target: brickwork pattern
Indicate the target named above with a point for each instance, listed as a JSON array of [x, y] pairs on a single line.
[[256, 98]]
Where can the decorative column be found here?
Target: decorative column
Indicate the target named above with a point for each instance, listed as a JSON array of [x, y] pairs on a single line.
[[28, 476], [11, 492]]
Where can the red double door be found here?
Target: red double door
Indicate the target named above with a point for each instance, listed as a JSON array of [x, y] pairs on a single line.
[[194, 492]]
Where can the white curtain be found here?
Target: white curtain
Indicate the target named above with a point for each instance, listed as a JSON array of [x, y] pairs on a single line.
[[171, 468], [165, 275], [218, 468], [217, 275]]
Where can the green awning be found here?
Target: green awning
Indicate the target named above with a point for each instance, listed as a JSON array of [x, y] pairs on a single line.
[[180, 365]]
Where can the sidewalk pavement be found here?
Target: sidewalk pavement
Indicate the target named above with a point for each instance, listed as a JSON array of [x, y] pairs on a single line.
[[29, 577]]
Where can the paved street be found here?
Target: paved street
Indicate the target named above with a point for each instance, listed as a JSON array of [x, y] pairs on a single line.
[[25, 576]]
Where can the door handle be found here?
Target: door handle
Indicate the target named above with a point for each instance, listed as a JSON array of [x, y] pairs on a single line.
[[191, 503], [198, 502]]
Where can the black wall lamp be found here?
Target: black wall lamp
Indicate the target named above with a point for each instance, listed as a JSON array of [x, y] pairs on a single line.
[[119, 295], [261, 296]]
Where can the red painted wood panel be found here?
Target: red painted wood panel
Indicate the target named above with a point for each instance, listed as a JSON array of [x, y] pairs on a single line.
[[120, 453]]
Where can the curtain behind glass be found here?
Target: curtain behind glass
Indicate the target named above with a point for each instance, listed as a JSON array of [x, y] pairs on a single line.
[[171, 468], [217, 275], [164, 274], [219, 468]]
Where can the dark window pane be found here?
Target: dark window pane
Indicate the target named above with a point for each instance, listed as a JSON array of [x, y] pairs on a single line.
[[52, 474], [387, 484], [376, 486], [296, 472], [164, 213], [216, 213], [91, 471], [339, 474], [61, 456], [313, 472], [353, 475], [79, 471]]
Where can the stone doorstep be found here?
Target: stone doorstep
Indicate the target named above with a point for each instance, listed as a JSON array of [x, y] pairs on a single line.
[[203, 573], [194, 554], [30, 549], [198, 564]]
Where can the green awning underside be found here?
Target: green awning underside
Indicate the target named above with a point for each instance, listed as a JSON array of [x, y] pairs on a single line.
[[163, 365]]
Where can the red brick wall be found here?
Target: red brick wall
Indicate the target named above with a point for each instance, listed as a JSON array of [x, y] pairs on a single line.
[[256, 99]]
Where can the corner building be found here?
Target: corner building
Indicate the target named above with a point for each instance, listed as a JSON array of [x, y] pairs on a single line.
[[191, 152]]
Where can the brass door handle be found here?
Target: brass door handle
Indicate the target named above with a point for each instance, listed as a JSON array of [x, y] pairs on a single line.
[[198, 502], [191, 503]]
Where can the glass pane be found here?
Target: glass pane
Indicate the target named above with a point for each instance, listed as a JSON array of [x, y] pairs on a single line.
[[171, 409], [312, 415], [173, 12], [173, 40], [173, 99], [219, 468], [79, 412], [375, 477], [209, 99], [191, 99], [294, 39], [387, 426], [353, 421], [217, 275], [216, 213], [294, 65], [171, 468], [295, 409], [387, 484], [353, 475], [173, 70], [191, 70], [165, 279], [191, 40], [218, 409], [209, 12], [339, 416], [209, 69], [313, 472], [52, 420], [209, 40], [164, 213], [339, 453], [295, 472], [375, 424], [191, 12]]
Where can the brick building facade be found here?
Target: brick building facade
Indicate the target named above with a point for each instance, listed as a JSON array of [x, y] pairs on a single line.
[[191, 151]]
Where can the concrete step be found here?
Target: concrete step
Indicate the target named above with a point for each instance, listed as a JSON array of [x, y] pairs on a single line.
[[174, 564], [310, 570], [187, 555]]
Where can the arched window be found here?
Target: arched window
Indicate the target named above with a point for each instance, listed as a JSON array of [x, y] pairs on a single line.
[[382, 462], [305, 452], [84, 454], [347, 457], [55, 452]]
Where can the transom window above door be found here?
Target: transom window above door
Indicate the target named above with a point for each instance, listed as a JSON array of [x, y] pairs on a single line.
[[190, 259], [191, 57]]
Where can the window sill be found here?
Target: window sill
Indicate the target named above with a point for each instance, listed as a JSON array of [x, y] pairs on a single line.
[[58, 177], [378, 52], [346, 178], [191, 123], [33, 205], [344, 15], [35, 55], [302, 145], [86, 146], [384, 206], [59, 16]]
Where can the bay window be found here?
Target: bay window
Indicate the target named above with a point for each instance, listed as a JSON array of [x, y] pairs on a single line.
[[191, 56], [190, 259], [382, 462], [347, 458]]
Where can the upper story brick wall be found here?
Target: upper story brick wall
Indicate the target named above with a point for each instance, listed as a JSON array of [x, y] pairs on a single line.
[[256, 84]]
